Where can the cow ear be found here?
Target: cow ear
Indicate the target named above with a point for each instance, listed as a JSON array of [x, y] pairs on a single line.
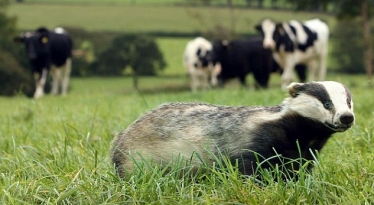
[[44, 39], [258, 27], [294, 89], [18, 39], [226, 44], [43, 34]]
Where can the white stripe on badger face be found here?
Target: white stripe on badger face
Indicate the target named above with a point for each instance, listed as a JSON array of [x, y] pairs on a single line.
[[342, 102], [268, 27], [330, 103]]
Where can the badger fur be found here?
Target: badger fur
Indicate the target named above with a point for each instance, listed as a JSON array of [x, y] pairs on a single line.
[[299, 127]]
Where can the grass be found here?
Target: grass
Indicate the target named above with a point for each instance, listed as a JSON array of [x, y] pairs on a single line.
[[145, 18], [55, 150]]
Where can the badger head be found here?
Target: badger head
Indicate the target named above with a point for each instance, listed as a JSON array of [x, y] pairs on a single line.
[[327, 102]]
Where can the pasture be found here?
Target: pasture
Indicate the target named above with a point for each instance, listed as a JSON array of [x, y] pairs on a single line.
[[55, 150], [145, 18]]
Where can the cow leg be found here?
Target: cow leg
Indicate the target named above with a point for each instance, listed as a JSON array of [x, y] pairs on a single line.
[[194, 81], [287, 76], [313, 69], [215, 71], [40, 79], [56, 76], [242, 80], [301, 72], [322, 67], [66, 70], [261, 75], [205, 80]]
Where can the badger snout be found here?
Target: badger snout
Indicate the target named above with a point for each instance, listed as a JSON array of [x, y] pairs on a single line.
[[341, 122], [347, 119]]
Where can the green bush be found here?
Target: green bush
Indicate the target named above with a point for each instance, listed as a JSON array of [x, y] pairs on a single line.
[[348, 46], [13, 78], [139, 52], [86, 46]]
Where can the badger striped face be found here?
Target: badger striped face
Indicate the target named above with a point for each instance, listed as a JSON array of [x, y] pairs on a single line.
[[328, 102]]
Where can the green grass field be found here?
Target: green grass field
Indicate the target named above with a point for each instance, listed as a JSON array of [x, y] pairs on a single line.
[[55, 150], [145, 18]]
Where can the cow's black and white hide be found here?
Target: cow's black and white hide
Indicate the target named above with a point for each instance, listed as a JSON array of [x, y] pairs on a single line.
[[237, 58], [197, 59], [296, 42], [250, 137], [300, 69], [48, 51]]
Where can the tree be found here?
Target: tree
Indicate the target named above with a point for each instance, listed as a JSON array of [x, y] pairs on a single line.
[[350, 9], [138, 52], [13, 76], [349, 55]]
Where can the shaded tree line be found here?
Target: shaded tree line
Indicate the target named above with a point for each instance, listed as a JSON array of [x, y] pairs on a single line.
[[323, 5], [14, 77]]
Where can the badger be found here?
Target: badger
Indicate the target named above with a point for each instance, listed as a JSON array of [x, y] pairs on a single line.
[[247, 136]]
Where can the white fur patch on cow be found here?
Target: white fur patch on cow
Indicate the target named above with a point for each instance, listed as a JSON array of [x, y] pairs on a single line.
[[201, 77], [314, 56], [301, 36], [268, 26]]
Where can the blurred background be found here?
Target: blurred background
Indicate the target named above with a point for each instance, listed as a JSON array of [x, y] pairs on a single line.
[[103, 29]]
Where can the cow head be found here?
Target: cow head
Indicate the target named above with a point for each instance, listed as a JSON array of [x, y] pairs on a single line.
[[35, 42], [271, 33], [204, 56], [220, 49]]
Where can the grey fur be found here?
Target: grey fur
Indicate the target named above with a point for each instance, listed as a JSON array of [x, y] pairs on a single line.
[[182, 129]]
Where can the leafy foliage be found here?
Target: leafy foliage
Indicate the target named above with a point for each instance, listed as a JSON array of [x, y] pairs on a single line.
[[351, 8], [139, 52], [13, 77], [342, 8], [348, 46]]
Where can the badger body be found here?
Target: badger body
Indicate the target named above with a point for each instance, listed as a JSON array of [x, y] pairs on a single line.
[[297, 128]]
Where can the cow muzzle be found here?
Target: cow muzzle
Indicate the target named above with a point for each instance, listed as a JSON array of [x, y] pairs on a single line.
[[268, 44]]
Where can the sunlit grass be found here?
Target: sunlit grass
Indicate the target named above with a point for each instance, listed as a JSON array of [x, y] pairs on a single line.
[[56, 149], [146, 18]]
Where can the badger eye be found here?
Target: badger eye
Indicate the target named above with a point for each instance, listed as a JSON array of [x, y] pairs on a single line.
[[328, 105]]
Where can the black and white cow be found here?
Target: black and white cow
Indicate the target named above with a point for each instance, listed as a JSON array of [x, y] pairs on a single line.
[[237, 58], [294, 42], [197, 59], [48, 51]]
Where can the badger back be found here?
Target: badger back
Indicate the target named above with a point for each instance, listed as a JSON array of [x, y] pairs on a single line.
[[246, 135], [327, 102]]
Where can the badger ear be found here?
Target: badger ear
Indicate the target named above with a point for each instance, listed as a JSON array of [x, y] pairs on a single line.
[[294, 89]]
